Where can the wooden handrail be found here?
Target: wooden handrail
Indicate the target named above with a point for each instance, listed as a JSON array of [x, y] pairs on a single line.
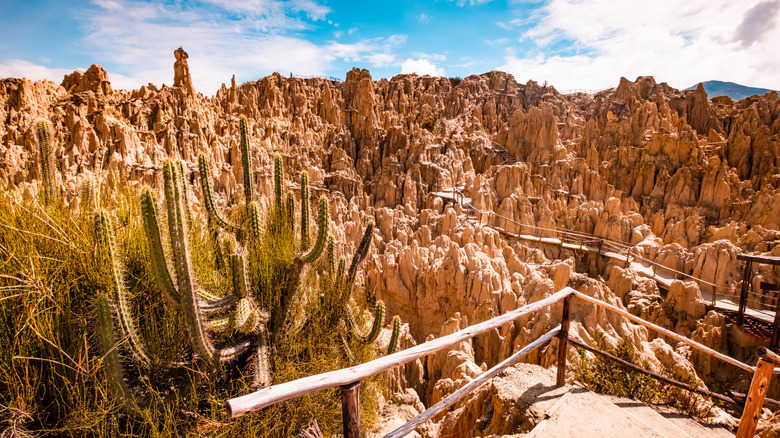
[[349, 378], [243, 405], [665, 332], [471, 386]]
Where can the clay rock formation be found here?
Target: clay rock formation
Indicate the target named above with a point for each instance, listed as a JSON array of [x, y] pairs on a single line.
[[450, 170]]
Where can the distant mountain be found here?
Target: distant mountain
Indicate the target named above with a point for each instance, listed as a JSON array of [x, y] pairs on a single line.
[[730, 89]]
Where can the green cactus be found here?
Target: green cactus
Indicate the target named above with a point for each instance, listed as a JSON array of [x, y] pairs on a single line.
[[112, 363], [87, 203], [331, 257], [376, 325], [124, 316], [184, 190], [43, 130], [291, 212], [278, 185], [323, 225], [254, 222], [159, 265], [186, 290], [360, 254], [305, 202], [391, 347], [208, 195], [246, 159]]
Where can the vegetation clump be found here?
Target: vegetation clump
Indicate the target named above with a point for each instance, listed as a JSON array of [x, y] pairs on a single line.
[[96, 306]]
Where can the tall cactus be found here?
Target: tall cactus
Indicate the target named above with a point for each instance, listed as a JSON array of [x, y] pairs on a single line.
[[246, 159], [278, 185], [208, 195], [393, 345], [305, 202], [112, 363], [122, 311], [43, 130], [186, 289]]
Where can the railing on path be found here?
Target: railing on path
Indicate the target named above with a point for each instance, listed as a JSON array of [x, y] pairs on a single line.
[[348, 379]]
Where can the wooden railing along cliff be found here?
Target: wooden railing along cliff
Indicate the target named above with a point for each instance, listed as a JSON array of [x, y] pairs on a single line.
[[348, 379]]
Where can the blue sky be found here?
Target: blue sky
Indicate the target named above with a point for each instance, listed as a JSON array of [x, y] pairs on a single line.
[[586, 44]]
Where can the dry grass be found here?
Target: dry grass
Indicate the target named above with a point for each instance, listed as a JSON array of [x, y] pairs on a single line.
[[52, 376]]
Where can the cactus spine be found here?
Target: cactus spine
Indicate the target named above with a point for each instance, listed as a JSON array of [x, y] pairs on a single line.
[[43, 130], [208, 195], [254, 222], [305, 201], [185, 191], [125, 321], [246, 159], [87, 196], [158, 263]]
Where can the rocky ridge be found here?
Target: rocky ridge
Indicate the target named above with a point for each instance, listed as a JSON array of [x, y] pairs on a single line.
[[690, 181]]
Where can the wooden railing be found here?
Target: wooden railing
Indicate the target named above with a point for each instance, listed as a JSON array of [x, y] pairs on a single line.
[[348, 379]]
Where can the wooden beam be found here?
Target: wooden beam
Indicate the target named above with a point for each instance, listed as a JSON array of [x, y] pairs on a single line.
[[563, 346], [665, 332], [471, 386], [350, 409], [243, 405], [755, 397]]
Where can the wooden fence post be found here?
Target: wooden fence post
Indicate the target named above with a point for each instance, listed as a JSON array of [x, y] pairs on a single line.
[[350, 409], [563, 342], [755, 396], [748, 275]]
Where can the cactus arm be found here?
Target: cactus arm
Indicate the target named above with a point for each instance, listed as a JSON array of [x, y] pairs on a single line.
[[331, 255], [215, 306], [241, 287], [323, 224], [291, 212], [125, 321], [255, 229], [208, 195], [112, 364], [43, 130], [262, 372], [376, 325], [87, 196], [169, 186], [305, 201], [344, 344], [393, 345], [184, 190], [246, 159], [278, 185], [159, 265], [360, 254]]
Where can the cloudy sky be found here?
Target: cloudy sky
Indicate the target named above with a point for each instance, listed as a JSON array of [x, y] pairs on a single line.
[[587, 44]]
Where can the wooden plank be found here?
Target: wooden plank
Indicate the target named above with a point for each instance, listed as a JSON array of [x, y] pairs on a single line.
[[665, 332], [656, 376], [471, 386], [563, 346], [350, 410], [743, 296], [243, 405], [755, 398]]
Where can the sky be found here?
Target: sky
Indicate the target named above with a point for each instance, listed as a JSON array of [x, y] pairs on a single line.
[[571, 44]]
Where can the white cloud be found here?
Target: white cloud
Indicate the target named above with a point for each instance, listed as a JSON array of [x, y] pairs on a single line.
[[421, 67], [380, 59], [19, 68], [138, 39], [462, 3], [497, 41], [591, 45], [424, 18], [437, 57]]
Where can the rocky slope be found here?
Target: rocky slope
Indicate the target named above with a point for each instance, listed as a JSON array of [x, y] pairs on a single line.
[[690, 181]]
